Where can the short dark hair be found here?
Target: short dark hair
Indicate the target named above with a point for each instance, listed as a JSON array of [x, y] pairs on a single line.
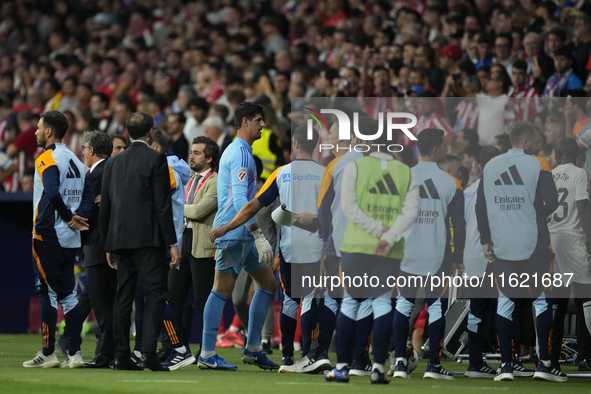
[[212, 150], [301, 135], [520, 131], [246, 110], [520, 64], [103, 97], [139, 125], [222, 109], [180, 117], [118, 136], [330, 73], [56, 121], [421, 70], [473, 151], [29, 171], [506, 36], [566, 151], [428, 139], [504, 141], [160, 139], [559, 32], [236, 95], [487, 154], [471, 135], [198, 102], [100, 142]]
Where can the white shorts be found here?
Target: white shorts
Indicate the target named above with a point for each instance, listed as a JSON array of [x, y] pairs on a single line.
[[571, 257]]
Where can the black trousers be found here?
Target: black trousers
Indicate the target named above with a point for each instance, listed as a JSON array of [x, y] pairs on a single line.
[[102, 288], [583, 336], [149, 265], [198, 272]]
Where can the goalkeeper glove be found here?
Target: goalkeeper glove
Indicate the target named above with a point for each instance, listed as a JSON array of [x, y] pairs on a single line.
[[263, 246]]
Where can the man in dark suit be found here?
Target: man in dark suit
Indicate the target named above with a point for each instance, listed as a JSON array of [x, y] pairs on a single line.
[[136, 226], [102, 279]]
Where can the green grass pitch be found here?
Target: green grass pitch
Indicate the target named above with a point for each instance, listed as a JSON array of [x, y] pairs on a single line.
[[14, 349]]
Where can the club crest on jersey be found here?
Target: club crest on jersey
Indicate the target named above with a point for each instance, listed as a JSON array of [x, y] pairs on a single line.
[[242, 174]]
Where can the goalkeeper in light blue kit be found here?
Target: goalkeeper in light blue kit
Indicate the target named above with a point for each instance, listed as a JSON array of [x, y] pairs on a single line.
[[244, 248]]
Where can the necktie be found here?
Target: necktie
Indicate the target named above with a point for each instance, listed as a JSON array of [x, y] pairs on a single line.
[[194, 185]]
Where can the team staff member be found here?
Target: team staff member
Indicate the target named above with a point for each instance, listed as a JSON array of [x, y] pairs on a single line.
[[440, 197], [333, 224], [179, 172], [61, 199], [379, 197], [515, 195], [201, 205], [476, 265], [137, 226], [238, 250], [102, 279]]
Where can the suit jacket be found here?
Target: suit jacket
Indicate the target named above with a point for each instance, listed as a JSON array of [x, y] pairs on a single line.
[[201, 212], [136, 205], [94, 253]]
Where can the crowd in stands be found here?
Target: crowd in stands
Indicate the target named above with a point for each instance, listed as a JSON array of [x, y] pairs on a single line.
[[190, 64]]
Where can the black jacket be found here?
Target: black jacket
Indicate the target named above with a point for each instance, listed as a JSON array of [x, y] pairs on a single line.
[[136, 206]]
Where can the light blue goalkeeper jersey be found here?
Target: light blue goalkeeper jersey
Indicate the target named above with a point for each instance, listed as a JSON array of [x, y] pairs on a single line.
[[236, 186]]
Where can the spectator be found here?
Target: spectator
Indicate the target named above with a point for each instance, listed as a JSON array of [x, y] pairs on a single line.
[[177, 142], [221, 111], [197, 107], [564, 78], [27, 183], [503, 45], [99, 102], [214, 129], [123, 109], [495, 115], [425, 57], [575, 112], [68, 99], [20, 151], [210, 86], [274, 41], [527, 99]]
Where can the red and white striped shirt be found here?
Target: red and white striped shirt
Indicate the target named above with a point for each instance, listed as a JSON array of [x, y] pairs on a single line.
[[527, 102], [376, 102], [434, 120], [467, 116]]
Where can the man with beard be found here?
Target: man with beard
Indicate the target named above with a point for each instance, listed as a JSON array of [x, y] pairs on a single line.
[[61, 199], [197, 262]]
